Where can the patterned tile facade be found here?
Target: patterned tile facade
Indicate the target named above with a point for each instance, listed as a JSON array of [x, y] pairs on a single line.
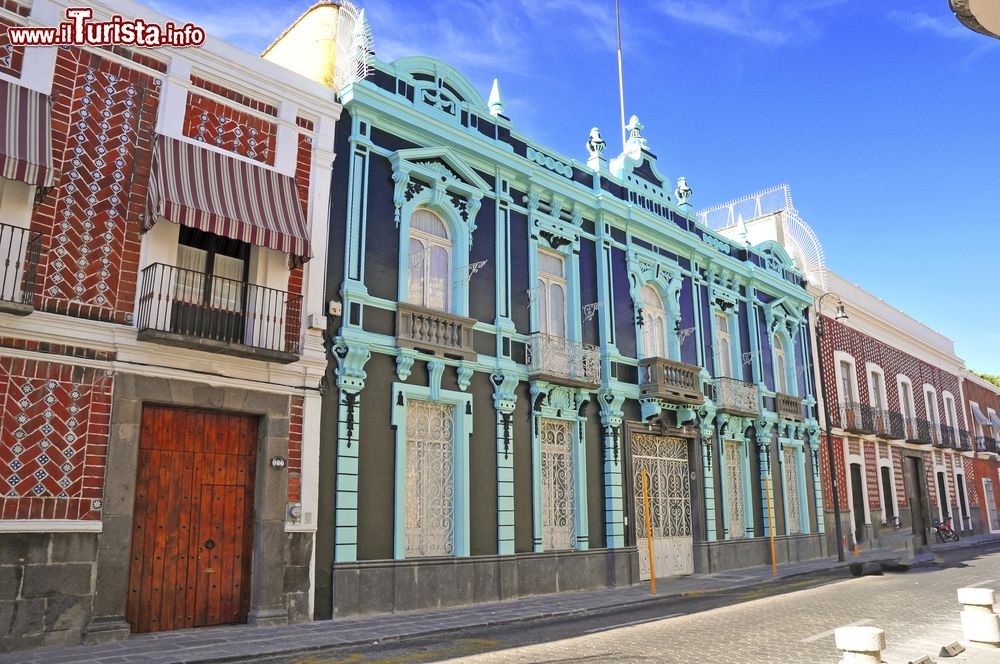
[[103, 116], [230, 129], [11, 57], [54, 429]]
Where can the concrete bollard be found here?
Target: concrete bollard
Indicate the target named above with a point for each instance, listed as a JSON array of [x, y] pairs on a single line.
[[861, 645], [980, 623]]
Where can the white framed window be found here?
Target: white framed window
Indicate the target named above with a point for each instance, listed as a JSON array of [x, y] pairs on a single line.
[[846, 378], [907, 408], [876, 388], [724, 345], [551, 294], [780, 366], [930, 404], [654, 323], [950, 416], [992, 414], [977, 427], [430, 261]]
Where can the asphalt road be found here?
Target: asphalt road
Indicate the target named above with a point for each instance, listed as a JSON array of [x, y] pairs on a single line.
[[790, 621]]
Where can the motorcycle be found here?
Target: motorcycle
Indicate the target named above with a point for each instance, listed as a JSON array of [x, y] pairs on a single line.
[[944, 531]]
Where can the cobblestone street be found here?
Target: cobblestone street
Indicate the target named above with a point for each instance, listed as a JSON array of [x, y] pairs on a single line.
[[918, 610]]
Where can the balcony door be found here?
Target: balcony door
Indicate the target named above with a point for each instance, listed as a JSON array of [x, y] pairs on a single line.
[[551, 294], [654, 323], [210, 286], [724, 345], [430, 261]]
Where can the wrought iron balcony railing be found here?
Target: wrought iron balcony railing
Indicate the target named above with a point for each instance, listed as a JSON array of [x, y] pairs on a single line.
[[882, 422], [948, 437], [735, 396], [19, 252], [964, 440], [927, 432], [671, 381], [788, 407], [192, 309], [986, 444], [563, 361], [434, 331], [856, 418]]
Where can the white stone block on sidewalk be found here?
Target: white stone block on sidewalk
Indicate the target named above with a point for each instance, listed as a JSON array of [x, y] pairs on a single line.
[[860, 645], [980, 623]]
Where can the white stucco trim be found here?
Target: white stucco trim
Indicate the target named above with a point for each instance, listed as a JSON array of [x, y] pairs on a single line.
[[49, 526]]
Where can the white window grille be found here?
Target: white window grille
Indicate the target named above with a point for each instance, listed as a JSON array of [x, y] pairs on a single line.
[[724, 352], [430, 261], [430, 479], [551, 294], [790, 471], [736, 503], [665, 460], [558, 493], [654, 323]]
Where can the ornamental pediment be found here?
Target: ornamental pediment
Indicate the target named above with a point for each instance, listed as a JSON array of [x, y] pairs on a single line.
[[439, 165]]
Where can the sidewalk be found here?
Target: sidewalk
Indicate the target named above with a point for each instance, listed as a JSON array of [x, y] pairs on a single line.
[[222, 644]]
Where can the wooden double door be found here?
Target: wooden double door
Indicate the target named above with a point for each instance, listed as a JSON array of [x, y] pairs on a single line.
[[192, 533]]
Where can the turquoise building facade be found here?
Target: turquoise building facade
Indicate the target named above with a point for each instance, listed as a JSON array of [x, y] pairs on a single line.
[[517, 338]]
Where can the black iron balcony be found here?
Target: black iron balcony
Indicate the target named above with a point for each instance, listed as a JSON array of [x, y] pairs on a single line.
[[19, 251], [179, 307], [964, 440], [986, 444], [671, 381], [948, 437], [735, 396], [788, 407], [927, 432], [882, 422], [856, 418], [434, 331], [562, 361]]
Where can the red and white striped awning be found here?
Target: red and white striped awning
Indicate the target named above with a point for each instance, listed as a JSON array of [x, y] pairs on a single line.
[[210, 191], [25, 125]]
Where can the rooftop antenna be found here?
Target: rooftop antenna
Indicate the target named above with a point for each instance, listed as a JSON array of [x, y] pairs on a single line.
[[621, 85]]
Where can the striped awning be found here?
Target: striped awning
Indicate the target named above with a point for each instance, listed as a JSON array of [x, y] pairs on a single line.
[[218, 194], [977, 414], [25, 125], [995, 421]]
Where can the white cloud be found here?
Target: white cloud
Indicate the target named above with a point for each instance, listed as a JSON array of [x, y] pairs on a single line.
[[234, 23], [771, 22], [946, 25]]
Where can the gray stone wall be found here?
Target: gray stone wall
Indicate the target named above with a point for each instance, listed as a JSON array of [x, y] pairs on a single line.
[[46, 588], [298, 554], [385, 586]]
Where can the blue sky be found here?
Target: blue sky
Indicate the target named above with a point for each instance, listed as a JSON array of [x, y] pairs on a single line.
[[884, 117]]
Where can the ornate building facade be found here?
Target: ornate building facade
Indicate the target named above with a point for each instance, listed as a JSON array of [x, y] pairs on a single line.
[[981, 408], [519, 335], [163, 227]]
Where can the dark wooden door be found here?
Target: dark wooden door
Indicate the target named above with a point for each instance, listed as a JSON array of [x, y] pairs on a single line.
[[858, 502], [192, 535], [914, 475]]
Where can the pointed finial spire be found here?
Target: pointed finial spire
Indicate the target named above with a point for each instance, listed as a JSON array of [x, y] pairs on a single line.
[[496, 101], [741, 230]]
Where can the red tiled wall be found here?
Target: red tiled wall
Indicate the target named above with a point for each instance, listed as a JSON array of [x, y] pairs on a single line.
[[871, 474], [838, 459], [54, 431], [232, 95], [230, 129], [11, 57], [931, 480], [897, 476], [102, 121], [893, 361], [971, 480], [295, 451]]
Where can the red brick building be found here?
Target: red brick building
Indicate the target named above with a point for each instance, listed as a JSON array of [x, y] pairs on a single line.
[[163, 231], [902, 446], [982, 406]]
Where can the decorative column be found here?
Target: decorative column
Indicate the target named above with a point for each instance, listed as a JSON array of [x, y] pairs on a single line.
[[707, 431], [351, 377], [611, 420], [505, 400], [580, 472], [763, 431], [812, 441]]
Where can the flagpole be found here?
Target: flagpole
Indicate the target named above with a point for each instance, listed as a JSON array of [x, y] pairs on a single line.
[[621, 85]]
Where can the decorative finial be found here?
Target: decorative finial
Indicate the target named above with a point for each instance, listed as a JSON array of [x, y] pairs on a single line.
[[595, 144], [496, 101], [741, 230], [683, 192], [634, 127]]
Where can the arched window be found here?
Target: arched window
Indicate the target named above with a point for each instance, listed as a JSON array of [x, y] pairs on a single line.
[[780, 366], [654, 323], [551, 294], [430, 261], [724, 345]]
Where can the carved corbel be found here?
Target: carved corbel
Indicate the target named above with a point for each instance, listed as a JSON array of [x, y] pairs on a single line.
[[464, 376], [351, 359], [401, 179], [504, 392], [435, 370]]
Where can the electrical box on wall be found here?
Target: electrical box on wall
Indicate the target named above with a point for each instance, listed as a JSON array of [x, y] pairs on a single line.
[[334, 308]]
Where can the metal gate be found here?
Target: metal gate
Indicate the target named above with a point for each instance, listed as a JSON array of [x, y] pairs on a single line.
[[558, 496], [666, 462]]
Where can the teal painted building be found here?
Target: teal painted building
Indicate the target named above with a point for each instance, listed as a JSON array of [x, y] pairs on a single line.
[[519, 336]]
